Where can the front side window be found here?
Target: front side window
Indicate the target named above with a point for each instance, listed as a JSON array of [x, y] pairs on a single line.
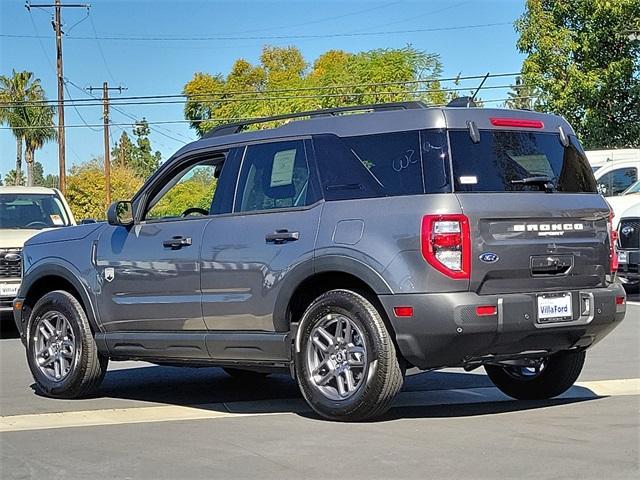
[[189, 192], [518, 161], [617, 181], [273, 175], [32, 211]]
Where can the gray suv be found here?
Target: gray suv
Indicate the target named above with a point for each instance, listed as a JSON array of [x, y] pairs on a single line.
[[343, 246]]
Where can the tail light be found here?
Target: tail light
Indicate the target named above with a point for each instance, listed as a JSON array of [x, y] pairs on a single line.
[[613, 240], [446, 244]]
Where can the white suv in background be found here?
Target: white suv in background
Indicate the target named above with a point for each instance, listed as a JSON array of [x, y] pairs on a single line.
[[615, 177], [25, 212]]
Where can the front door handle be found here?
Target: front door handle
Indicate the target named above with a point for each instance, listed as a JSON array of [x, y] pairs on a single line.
[[177, 242], [282, 236]]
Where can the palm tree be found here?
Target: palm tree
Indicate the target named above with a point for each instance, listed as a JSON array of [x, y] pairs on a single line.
[[39, 131], [15, 90]]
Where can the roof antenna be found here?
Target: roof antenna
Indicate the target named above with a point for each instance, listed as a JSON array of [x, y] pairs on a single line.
[[466, 102], [473, 97]]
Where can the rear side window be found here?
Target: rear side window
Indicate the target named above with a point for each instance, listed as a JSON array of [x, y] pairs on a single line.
[[502, 160], [381, 165], [273, 175]]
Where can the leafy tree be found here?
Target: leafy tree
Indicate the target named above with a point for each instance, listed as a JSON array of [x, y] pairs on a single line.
[[194, 191], [39, 132], [38, 174], [86, 186], [138, 156], [17, 90], [583, 65], [521, 96], [14, 177], [283, 82]]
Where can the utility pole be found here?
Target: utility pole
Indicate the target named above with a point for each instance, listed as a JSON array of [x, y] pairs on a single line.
[[57, 27], [105, 117]]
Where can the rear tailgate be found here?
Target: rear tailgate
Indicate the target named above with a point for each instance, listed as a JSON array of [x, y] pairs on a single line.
[[536, 221], [540, 241]]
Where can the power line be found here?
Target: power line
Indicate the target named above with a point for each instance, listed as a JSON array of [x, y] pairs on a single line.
[[104, 60], [57, 26], [301, 89], [272, 37], [157, 130], [236, 119], [290, 97]]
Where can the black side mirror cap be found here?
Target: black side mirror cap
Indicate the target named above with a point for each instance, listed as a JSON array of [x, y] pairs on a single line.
[[120, 213]]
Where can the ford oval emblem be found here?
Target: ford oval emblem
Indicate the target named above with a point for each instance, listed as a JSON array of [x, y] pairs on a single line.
[[489, 257]]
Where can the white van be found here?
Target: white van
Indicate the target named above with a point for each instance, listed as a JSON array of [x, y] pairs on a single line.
[[615, 170]]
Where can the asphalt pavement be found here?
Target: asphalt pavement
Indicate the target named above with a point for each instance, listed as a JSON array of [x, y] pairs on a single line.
[[153, 422]]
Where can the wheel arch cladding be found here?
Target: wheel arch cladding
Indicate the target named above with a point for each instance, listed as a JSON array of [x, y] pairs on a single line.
[[54, 277]]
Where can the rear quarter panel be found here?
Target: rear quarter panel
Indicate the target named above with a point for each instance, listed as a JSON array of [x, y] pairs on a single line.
[[383, 235]]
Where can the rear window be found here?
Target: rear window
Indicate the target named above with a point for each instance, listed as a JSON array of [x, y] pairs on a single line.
[[509, 161], [382, 165]]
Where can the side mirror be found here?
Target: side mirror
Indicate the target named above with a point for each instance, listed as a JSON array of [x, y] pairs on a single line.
[[120, 213], [86, 221]]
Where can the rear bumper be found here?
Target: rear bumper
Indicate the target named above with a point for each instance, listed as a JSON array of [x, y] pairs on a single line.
[[445, 331]]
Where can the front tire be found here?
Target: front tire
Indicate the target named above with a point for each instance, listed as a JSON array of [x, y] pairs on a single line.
[[347, 367], [61, 352], [558, 373]]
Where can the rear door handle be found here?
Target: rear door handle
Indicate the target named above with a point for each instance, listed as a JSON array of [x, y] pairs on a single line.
[[177, 242], [282, 236]]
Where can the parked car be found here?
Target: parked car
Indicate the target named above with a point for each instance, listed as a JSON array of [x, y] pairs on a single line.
[[615, 177], [629, 247], [600, 158], [343, 248], [25, 212], [627, 199]]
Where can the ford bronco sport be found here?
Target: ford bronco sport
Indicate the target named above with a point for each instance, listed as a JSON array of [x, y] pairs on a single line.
[[343, 247]]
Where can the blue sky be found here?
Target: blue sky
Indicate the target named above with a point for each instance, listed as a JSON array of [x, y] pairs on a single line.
[[163, 67]]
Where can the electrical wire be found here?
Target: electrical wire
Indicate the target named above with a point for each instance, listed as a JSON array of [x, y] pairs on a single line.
[[223, 100], [238, 119], [274, 37], [104, 60], [135, 119], [301, 89]]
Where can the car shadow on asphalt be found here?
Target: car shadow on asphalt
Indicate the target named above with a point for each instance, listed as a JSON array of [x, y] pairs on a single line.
[[436, 394]]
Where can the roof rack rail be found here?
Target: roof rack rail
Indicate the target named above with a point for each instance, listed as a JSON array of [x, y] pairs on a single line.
[[236, 127]]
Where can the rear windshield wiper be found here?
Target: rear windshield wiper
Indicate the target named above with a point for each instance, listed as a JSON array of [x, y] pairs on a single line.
[[544, 182]]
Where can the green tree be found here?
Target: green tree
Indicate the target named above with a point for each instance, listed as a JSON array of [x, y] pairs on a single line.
[[39, 132], [521, 96], [283, 82], [194, 191], [38, 175], [16, 91], [138, 156], [86, 186], [583, 65], [14, 177]]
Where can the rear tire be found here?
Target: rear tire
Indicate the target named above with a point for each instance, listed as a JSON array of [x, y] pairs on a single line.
[[558, 375], [61, 352], [347, 367]]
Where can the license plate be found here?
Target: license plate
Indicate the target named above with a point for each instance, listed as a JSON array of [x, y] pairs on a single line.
[[555, 308], [9, 289], [622, 257]]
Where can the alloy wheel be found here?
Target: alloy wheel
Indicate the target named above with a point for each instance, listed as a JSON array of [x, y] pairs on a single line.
[[336, 357], [55, 346]]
